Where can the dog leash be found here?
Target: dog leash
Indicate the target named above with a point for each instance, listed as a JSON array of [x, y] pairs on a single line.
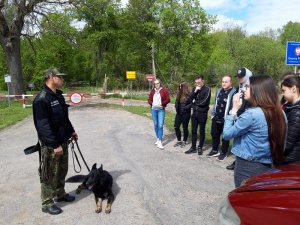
[[74, 154]]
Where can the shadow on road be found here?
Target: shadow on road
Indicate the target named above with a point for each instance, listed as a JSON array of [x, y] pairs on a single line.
[[115, 174]]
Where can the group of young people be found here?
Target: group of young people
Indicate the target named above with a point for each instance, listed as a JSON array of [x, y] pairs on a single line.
[[265, 131]]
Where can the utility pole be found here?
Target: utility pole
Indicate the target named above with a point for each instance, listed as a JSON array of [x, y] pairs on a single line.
[[153, 63]]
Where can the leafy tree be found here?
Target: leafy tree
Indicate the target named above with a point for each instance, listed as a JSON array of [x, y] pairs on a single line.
[[290, 32], [100, 33], [3, 70], [136, 39], [56, 45], [13, 15], [183, 42], [262, 55], [224, 57]]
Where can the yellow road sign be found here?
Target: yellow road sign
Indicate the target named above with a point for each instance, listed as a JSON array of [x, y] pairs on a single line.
[[130, 75]]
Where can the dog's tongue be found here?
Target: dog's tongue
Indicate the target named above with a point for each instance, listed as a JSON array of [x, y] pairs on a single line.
[[91, 187]]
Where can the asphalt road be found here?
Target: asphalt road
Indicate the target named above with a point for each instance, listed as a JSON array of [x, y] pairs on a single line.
[[151, 186]]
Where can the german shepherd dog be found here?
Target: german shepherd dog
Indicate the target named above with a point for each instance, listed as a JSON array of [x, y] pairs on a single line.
[[100, 182]]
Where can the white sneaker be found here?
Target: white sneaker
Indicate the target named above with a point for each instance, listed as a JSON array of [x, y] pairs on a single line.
[[159, 145], [156, 142]]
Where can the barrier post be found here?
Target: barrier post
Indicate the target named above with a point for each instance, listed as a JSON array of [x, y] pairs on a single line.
[[123, 103], [23, 101]]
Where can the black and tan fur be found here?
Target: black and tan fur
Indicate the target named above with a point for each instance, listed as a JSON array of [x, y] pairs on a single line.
[[100, 182]]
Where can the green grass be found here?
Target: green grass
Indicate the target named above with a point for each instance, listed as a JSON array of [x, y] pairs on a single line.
[[10, 115]]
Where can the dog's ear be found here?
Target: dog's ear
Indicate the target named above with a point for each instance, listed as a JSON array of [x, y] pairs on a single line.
[[94, 166], [101, 167]]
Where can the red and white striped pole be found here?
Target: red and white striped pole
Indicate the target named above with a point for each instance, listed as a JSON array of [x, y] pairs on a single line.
[[23, 101], [123, 103]]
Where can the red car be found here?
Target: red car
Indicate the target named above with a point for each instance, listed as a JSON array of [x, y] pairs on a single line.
[[268, 199]]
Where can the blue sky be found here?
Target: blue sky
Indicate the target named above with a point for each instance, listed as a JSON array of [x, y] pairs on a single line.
[[252, 15]]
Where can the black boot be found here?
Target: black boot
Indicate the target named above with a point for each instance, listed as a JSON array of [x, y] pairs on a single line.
[[191, 150], [200, 150], [65, 198], [231, 166], [53, 210], [178, 143]]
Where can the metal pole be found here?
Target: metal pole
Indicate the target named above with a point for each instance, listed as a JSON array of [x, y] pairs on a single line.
[[131, 89], [8, 94], [123, 102], [23, 101], [153, 63]]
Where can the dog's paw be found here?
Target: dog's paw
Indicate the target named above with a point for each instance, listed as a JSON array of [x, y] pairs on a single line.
[[108, 208], [98, 210], [79, 188]]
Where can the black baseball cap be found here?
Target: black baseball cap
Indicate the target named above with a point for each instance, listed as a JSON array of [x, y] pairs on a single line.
[[241, 72]]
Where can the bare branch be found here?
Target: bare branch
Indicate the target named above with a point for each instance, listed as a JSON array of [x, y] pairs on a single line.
[[2, 4], [29, 38]]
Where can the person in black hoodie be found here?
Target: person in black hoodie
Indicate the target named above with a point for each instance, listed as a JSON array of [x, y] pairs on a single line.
[[51, 120], [200, 97], [183, 113], [290, 88]]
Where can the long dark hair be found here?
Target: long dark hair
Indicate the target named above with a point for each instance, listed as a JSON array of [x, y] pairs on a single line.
[[291, 81], [263, 94], [183, 92]]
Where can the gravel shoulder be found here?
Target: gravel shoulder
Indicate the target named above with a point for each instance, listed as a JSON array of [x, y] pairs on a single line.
[[152, 186]]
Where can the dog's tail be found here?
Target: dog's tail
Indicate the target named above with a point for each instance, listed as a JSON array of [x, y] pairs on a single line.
[[76, 178]]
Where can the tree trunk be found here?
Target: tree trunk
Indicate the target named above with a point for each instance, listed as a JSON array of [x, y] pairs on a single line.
[[13, 57]]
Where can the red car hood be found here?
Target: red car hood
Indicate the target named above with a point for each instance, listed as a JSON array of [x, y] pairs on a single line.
[[284, 177]]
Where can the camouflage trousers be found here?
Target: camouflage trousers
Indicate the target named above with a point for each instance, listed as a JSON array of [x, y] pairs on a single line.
[[53, 172]]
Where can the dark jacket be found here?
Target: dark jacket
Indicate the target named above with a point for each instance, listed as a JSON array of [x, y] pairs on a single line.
[[228, 102], [286, 106], [245, 104], [292, 147], [164, 94], [200, 99], [51, 119], [183, 107]]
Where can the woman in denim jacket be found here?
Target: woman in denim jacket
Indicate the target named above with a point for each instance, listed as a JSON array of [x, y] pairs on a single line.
[[259, 132]]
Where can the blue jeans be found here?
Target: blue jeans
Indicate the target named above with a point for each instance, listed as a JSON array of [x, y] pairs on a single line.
[[158, 117]]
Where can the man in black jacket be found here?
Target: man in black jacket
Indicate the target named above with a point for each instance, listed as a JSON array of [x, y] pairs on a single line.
[[51, 120], [200, 96]]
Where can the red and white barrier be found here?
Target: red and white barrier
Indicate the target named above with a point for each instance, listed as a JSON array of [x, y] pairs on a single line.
[[123, 100], [65, 95], [23, 99]]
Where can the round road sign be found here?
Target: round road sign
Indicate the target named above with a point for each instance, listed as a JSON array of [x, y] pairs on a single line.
[[76, 98]]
